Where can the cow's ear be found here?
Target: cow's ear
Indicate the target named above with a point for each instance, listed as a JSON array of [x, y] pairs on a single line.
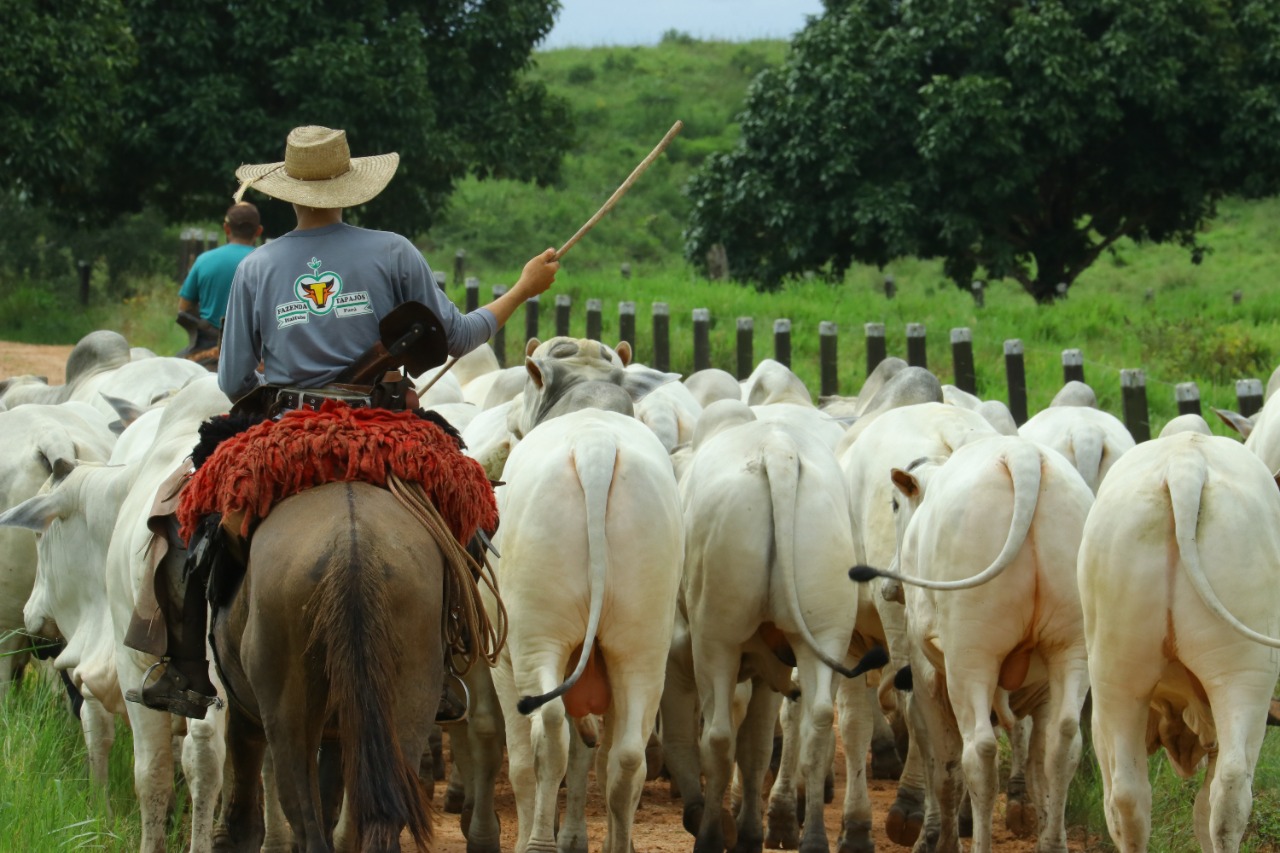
[[535, 372], [624, 352], [1236, 421], [33, 514], [906, 483], [532, 345]]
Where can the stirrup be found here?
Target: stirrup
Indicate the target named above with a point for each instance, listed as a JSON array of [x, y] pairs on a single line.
[[449, 715], [167, 694]]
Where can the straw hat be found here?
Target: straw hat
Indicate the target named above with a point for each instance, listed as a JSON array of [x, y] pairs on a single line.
[[319, 171]]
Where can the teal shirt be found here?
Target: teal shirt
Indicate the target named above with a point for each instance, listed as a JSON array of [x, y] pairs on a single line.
[[209, 281]]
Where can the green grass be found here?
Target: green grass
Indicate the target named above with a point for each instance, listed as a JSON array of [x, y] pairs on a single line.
[[46, 800]]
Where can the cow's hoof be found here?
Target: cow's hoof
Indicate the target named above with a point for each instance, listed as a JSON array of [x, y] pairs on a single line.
[[856, 838], [491, 846], [1020, 818], [927, 842], [710, 840], [728, 829], [692, 818], [652, 760], [454, 798], [674, 788], [748, 842], [782, 830], [569, 844], [904, 821]]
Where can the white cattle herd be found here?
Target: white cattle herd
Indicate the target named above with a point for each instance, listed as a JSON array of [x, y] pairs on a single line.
[[699, 561]]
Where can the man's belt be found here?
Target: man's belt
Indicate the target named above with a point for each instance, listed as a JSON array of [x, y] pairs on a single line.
[[296, 398]]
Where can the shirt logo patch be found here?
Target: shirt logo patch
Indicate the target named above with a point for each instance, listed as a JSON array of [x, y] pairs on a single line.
[[318, 290]]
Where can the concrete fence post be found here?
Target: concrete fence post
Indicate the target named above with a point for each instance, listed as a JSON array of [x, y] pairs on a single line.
[[1133, 394], [1248, 396], [782, 341], [876, 351], [473, 293], [701, 338], [746, 346], [627, 324], [962, 359], [1015, 371], [661, 336], [827, 356], [1072, 366], [564, 307], [530, 318], [595, 319], [1187, 396], [916, 355]]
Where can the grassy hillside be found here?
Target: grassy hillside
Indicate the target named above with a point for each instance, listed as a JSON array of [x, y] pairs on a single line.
[[624, 100]]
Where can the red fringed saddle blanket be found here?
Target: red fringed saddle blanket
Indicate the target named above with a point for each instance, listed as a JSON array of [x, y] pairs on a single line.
[[253, 470]]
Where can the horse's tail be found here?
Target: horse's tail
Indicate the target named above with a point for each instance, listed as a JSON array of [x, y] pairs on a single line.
[[351, 607]]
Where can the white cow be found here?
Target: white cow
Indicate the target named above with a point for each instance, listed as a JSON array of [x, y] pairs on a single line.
[[1179, 575], [39, 441], [773, 382], [94, 353], [767, 548], [591, 543], [988, 546], [893, 439], [1091, 439]]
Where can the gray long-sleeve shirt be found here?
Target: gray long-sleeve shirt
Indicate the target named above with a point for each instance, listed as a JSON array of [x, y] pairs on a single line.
[[308, 304]]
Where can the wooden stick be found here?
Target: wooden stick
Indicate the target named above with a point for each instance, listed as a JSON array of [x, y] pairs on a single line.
[[590, 223], [622, 190]]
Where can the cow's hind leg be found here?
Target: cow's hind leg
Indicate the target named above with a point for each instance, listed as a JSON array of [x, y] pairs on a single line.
[[627, 725], [203, 755], [782, 825], [857, 719], [1240, 720], [1057, 749], [971, 689], [1119, 740], [716, 668], [755, 746], [817, 745]]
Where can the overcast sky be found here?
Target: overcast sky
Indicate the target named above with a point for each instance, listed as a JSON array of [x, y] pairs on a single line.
[[594, 23]]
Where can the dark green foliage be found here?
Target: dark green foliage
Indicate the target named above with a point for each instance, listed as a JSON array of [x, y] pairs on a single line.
[[218, 84], [1010, 139]]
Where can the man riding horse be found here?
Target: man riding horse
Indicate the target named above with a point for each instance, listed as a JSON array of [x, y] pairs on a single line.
[[303, 308]]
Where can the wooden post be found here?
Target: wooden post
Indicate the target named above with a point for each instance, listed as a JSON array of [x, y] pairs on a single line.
[[830, 383], [701, 338], [962, 359], [1015, 372], [564, 304], [460, 265], [1248, 396], [84, 269], [441, 277], [530, 318], [595, 319], [876, 351], [473, 293], [1237, 296], [627, 324], [1133, 392], [782, 341], [916, 356], [500, 338], [890, 287], [1187, 396], [978, 289], [746, 346], [661, 336], [1072, 366], [625, 269]]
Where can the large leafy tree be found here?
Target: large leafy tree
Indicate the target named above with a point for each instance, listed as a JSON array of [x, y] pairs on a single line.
[[1011, 138], [218, 84]]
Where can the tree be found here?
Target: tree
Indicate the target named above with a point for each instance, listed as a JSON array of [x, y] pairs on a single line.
[[61, 88], [1018, 137], [218, 84]]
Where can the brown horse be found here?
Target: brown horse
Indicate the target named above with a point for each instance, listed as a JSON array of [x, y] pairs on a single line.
[[333, 640]]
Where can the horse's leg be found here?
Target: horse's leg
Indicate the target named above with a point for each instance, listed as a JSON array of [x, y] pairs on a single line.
[[484, 742], [293, 751], [241, 828], [279, 835]]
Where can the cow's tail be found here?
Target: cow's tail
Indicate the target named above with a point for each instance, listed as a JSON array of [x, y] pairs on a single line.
[[595, 455], [351, 606], [782, 471], [1186, 478], [1088, 444], [1022, 459]]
